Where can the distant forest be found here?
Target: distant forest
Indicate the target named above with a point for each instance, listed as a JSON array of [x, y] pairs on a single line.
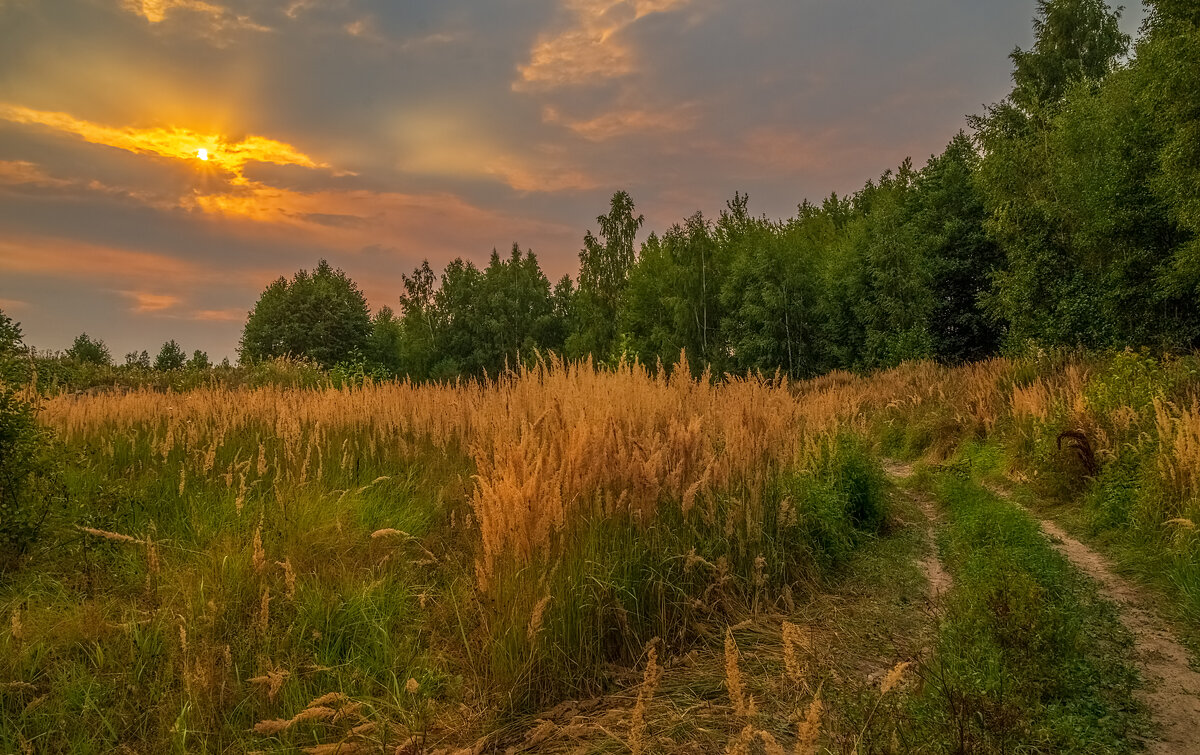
[[1065, 215]]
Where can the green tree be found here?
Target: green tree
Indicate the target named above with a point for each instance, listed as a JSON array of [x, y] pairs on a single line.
[[647, 315], [604, 265], [948, 227], [320, 316], [170, 357], [773, 293], [1047, 290], [199, 361], [385, 348], [86, 350], [1167, 69], [419, 323], [457, 321], [896, 302], [139, 360], [487, 320], [1075, 41]]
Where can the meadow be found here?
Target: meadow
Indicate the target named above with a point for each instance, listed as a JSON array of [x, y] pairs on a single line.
[[574, 558]]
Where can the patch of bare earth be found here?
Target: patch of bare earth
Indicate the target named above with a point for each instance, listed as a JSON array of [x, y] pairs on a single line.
[[931, 566], [1173, 694]]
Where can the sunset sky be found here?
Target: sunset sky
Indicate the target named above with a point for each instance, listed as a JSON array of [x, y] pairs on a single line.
[[377, 133]]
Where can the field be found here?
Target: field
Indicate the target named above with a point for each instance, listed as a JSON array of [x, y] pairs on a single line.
[[583, 559]]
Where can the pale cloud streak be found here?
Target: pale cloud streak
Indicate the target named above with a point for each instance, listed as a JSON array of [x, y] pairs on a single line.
[[626, 121], [146, 302], [219, 315]]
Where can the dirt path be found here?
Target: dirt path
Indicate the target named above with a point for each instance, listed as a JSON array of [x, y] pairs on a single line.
[[935, 574], [1174, 694]]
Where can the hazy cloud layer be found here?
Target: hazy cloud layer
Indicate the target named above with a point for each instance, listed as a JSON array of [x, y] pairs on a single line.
[[162, 160]]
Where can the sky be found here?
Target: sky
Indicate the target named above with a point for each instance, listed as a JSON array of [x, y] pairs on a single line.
[[378, 133]]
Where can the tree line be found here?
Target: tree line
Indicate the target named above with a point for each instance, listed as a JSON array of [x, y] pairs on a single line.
[[93, 351], [1065, 215]]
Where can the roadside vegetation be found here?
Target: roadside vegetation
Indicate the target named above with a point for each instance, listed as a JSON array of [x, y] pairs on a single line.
[[450, 564]]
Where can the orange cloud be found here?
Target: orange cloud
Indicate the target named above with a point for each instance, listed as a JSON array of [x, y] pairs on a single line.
[[155, 11], [360, 218], [13, 305], [42, 256], [17, 172], [178, 143], [590, 48], [622, 122], [218, 315], [144, 301], [529, 176]]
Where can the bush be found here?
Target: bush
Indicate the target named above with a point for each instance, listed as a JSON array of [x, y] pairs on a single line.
[[28, 483]]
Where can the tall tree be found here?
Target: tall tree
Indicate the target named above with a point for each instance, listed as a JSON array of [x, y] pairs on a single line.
[[959, 258], [895, 308], [322, 316], [199, 361], [771, 294], [1075, 41], [1045, 290], [604, 265]]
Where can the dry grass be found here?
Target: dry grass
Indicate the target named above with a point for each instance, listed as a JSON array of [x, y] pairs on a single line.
[[285, 552]]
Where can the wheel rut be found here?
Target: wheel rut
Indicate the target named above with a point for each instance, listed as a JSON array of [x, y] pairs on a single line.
[[1173, 693], [936, 575]]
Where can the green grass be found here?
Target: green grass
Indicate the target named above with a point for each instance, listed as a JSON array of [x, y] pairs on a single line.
[[1029, 658]]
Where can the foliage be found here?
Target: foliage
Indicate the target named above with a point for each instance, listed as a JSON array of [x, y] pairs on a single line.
[[28, 491], [86, 350], [199, 361], [604, 265], [170, 357], [320, 316]]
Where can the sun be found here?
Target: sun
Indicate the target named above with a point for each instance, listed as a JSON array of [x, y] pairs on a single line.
[[202, 153]]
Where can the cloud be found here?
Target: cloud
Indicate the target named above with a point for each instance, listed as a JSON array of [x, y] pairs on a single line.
[[360, 218], [144, 301], [218, 17], [590, 48], [524, 175], [13, 305], [73, 259], [221, 153], [218, 315], [623, 122], [20, 172], [24, 177]]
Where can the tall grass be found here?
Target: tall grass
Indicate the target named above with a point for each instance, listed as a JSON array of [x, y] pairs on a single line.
[[413, 548], [422, 550]]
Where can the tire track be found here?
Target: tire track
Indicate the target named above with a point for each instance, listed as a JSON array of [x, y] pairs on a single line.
[[1173, 696], [931, 566]]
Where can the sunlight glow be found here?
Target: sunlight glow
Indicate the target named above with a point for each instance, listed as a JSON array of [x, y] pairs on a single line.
[[174, 142]]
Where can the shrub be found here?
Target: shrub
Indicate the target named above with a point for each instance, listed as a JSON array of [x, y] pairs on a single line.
[[27, 479]]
